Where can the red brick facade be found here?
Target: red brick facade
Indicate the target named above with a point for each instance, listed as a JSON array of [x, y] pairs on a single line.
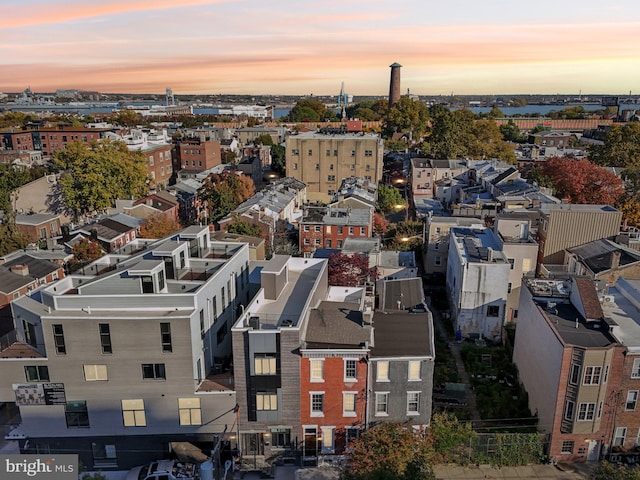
[[343, 402], [196, 155], [318, 235]]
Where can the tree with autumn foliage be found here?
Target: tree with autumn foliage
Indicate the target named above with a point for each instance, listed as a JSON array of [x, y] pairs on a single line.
[[390, 451], [159, 226], [350, 270], [84, 252], [581, 181], [380, 224], [629, 205], [223, 192]]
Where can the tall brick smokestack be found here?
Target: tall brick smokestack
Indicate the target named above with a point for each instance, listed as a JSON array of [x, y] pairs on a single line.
[[394, 84]]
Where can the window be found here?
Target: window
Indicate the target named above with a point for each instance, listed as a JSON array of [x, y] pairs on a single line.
[[340, 230], [569, 409], [39, 373], [350, 369], [214, 302], [310, 152], [221, 333], [58, 339], [76, 414], [618, 438], [353, 153], [95, 373], [335, 153], [306, 228], [575, 374], [606, 374], [327, 243], [105, 338], [165, 335], [295, 166], [280, 437], [437, 260], [635, 372], [328, 437], [189, 411], [592, 375], [317, 404], [508, 287], [382, 371], [133, 413], [317, 228], [327, 153], [511, 263], [351, 434], [317, 370], [153, 371], [295, 151], [349, 404], [414, 370], [264, 365], [307, 241], [202, 329], [413, 403], [632, 400], [493, 311], [586, 411], [567, 446], [266, 401], [331, 166], [339, 243], [317, 166], [331, 178], [368, 153], [317, 241], [104, 455], [382, 403], [350, 230]]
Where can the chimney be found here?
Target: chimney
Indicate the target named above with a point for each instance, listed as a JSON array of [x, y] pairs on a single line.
[[394, 84], [614, 263], [20, 269]]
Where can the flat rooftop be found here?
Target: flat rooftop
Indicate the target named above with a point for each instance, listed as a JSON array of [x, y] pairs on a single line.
[[573, 329]]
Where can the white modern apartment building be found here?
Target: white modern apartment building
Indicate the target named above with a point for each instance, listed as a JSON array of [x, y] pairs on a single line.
[[135, 354]]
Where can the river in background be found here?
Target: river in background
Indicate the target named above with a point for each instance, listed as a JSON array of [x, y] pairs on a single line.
[[525, 111]]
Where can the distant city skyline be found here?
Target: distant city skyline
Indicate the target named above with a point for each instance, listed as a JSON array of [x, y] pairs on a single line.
[[463, 47]]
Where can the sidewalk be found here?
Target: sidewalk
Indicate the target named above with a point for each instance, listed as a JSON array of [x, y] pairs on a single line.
[[581, 471]]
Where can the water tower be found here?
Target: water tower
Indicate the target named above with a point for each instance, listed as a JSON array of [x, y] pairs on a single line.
[[394, 84]]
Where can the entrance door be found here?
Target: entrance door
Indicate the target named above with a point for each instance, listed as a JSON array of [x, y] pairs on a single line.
[[592, 452], [253, 443]]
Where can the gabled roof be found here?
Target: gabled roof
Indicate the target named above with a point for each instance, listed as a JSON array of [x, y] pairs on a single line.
[[336, 325]]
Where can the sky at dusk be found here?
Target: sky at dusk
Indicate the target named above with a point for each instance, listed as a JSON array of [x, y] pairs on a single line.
[[301, 47]]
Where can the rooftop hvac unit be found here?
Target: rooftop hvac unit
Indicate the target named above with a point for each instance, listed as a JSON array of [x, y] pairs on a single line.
[[254, 322], [608, 299]]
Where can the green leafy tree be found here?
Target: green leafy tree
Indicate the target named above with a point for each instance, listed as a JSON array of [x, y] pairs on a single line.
[[278, 155], [610, 471], [390, 451], [452, 439], [451, 133], [307, 110], [14, 119], [407, 115], [96, 176], [127, 118], [488, 143], [395, 145], [244, 228], [389, 198], [228, 156], [223, 192], [511, 132], [621, 147], [263, 139], [368, 111], [10, 238]]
